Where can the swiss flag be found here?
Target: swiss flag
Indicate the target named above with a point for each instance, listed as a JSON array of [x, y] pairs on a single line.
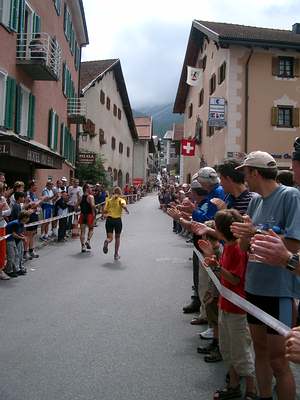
[[188, 147]]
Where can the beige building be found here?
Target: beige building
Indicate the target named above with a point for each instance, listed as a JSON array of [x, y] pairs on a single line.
[[256, 71], [109, 129], [143, 149]]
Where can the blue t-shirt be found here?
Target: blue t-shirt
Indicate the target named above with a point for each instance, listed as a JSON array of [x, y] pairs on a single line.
[[279, 211], [206, 210], [14, 227]]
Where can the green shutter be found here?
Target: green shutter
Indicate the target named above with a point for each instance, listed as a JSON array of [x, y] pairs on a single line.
[[31, 116], [10, 103], [50, 128], [18, 115], [36, 24], [64, 78], [56, 124], [14, 15], [57, 4], [66, 143], [62, 133], [65, 19]]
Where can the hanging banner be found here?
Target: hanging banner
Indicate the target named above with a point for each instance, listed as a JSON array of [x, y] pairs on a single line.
[[188, 147], [194, 76]]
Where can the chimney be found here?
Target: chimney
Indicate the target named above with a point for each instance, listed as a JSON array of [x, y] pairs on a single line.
[[296, 28]]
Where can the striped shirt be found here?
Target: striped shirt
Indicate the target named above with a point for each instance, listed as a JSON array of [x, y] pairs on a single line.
[[241, 202]]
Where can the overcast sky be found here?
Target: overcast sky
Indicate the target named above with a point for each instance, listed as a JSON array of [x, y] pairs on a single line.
[[150, 37]]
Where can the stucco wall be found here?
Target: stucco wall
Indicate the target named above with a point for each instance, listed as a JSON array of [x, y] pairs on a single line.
[[140, 159], [113, 127]]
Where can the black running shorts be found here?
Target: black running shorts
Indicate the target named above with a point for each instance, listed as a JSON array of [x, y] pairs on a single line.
[[113, 225]]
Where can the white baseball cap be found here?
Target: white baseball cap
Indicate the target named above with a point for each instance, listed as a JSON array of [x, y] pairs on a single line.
[[208, 174], [64, 179], [259, 159]]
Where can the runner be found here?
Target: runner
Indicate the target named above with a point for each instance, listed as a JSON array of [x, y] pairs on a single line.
[[113, 209], [87, 215]]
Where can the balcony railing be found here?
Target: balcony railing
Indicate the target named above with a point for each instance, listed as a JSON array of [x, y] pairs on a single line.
[[77, 110], [39, 55]]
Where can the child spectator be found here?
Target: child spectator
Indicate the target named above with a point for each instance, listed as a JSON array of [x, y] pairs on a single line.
[[14, 245], [234, 335], [17, 205]]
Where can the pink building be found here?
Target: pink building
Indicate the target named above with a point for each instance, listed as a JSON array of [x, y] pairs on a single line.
[[255, 73], [41, 44], [143, 148]]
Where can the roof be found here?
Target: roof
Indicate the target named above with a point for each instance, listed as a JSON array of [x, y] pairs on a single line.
[[225, 35], [144, 127], [93, 71], [168, 135]]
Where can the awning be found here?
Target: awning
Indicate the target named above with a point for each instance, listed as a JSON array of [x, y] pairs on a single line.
[[13, 146]]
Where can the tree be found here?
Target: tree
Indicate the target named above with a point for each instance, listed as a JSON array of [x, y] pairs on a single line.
[[92, 173]]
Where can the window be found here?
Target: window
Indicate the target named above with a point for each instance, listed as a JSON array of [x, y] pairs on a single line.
[[222, 73], [285, 116], [285, 67], [201, 98], [77, 56], [121, 148], [52, 130], [101, 137], [102, 97], [10, 103], [212, 84], [119, 114], [67, 144], [115, 110], [67, 83], [108, 103], [113, 143], [67, 22], [128, 152], [57, 5], [115, 175], [190, 110], [9, 13], [210, 130], [127, 178], [204, 61], [3, 78]]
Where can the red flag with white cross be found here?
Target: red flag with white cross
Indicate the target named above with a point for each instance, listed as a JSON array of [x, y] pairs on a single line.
[[188, 147]]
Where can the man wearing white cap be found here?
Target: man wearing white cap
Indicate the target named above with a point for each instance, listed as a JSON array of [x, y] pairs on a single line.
[[268, 287]]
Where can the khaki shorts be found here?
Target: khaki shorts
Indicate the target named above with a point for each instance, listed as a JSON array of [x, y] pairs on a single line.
[[212, 312], [235, 342]]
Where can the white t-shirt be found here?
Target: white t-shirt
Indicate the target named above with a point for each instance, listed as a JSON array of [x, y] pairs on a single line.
[[73, 196]]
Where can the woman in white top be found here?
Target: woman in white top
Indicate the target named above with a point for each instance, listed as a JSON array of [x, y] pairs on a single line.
[[4, 212]]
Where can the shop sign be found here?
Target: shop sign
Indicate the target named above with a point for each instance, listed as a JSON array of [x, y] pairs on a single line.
[[216, 114], [236, 154], [86, 158]]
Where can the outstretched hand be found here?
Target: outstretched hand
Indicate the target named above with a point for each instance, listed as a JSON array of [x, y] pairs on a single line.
[[206, 247], [243, 230], [210, 262], [198, 228]]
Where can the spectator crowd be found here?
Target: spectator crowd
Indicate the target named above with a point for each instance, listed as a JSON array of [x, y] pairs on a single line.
[[243, 218]]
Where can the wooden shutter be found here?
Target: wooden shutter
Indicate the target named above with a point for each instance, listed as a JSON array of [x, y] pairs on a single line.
[[18, 114], [219, 76], [10, 103], [62, 134], [56, 124], [274, 116], [14, 15], [295, 117], [64, 79], [296, 67], [65, 20], [31, 116], [66, 141], [275, 66]]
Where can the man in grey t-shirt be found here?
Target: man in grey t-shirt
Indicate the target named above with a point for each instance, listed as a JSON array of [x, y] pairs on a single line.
[[270, 288]]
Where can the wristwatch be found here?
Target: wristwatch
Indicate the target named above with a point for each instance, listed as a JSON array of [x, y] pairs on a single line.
[[293, 262]]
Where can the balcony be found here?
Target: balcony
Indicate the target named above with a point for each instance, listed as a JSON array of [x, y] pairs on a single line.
[[77, 111], [39, 55]]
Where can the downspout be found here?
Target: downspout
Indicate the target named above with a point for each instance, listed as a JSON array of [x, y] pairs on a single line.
[[246, 99]]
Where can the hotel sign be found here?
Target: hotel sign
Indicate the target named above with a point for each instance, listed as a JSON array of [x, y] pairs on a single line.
[[216, 114], [86, 158]]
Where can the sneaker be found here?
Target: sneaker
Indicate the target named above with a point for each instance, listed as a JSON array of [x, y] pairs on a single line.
[[207, 349], [214, 356], [12, 274], [83, 248], [117, 257], [33, 255], [207, 335], [88, 245], [105, 247], [193, 307], [27, 257], [43, 239], [4, 276], [22, 271]]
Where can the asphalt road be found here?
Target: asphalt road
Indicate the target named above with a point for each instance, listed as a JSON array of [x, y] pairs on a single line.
[[84, 327]]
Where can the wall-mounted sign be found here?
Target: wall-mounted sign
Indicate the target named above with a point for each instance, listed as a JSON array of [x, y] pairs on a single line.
[[236, 154], [86, 158], [216, 114], [281, 156]]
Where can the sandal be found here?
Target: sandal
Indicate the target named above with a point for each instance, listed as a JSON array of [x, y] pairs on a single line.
[[250, 396], [228, 393]]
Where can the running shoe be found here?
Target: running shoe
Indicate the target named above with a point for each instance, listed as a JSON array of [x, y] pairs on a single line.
[[83, 248], [207, 335], [88, 246], [105, 247], [116, 257], [33, 254], [4, 276]]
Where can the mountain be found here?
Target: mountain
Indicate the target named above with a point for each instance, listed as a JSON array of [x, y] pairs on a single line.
[[163, 117]]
